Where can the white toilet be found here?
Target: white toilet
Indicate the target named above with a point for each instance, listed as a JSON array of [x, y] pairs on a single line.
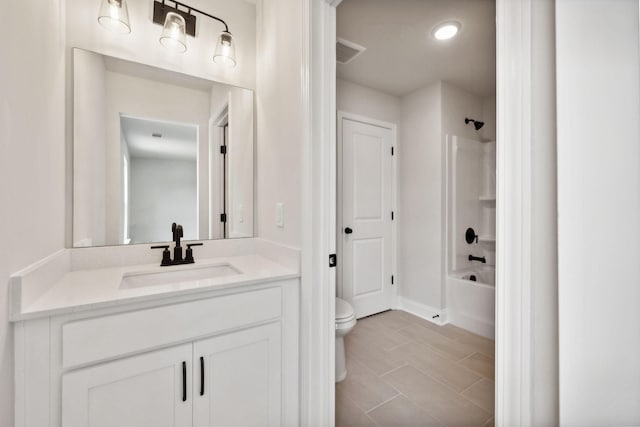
[[345, 321]]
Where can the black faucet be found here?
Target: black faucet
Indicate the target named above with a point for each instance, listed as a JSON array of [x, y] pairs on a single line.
[[176, 229], [477, 258], [178, 233]]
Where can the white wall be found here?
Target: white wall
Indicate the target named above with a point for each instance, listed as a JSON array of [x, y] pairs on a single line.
[[240, 160], [458, 104], [32, 154], [488, 131], [142, 44], [420, 166], [544, 214], [89, 127], [143, 98], [598, 206], [162, 192], [282, 127], [356, 99]]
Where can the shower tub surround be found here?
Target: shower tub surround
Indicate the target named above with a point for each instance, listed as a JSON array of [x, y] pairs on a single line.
[[471, 189]]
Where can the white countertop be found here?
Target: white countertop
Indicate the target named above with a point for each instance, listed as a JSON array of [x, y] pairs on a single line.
[[92, 289]]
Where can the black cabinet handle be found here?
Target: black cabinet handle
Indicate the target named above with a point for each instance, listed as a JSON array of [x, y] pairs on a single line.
[[201, 376], [184, 381], [348, 230]]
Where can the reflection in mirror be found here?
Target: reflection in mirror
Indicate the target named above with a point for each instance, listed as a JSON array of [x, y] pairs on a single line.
[[159, 177], [153, 147]]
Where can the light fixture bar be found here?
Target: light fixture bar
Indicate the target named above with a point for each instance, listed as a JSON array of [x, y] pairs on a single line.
[[226, 28], [160, 10]]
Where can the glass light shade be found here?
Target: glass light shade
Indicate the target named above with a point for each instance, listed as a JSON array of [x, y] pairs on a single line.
[[173, 34], [225, 50], [114, 15]]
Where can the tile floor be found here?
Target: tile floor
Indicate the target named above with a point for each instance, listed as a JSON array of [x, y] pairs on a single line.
[[406, 371]]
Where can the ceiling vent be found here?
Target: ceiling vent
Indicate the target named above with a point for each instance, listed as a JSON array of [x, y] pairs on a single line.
[[347, 51]]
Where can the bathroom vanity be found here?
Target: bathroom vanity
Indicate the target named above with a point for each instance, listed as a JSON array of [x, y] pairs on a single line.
[[212, 343]]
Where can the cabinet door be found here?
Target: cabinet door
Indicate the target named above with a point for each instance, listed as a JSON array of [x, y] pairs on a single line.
[[238, 379], [153, 389]]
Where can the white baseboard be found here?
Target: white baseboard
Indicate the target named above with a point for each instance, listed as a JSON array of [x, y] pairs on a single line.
[[471, 324], [434, 315]]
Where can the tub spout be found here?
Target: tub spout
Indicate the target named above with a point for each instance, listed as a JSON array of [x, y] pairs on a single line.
[[477, 258]]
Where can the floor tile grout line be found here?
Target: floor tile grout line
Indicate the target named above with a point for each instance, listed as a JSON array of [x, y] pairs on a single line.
[[466, 399], [441, 382], [466, 357], [375, 423], [488, 419], [443, 353], [382, 403], [472, 403], [483, 375], [481, 379], [393, 370], [419, 406]]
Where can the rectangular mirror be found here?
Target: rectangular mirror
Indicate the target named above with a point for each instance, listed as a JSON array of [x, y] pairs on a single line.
[[152, 147]]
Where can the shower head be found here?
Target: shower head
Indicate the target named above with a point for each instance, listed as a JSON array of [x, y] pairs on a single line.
[[476, 123]]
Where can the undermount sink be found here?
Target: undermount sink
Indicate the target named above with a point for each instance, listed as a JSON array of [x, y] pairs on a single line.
[[175, 275]]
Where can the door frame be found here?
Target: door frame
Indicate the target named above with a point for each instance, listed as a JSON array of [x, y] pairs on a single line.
[[394, 191], [514, 327]]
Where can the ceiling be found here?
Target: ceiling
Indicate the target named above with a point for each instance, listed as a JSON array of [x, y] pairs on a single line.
[[403, 56], [178, 142]]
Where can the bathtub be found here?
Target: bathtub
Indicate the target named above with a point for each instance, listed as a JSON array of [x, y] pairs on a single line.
[[480, 275], [471, 303]]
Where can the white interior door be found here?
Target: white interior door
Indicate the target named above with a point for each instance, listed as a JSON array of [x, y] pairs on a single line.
[[366, 216]]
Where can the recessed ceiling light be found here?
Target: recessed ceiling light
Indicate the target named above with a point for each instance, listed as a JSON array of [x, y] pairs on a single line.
[[446, 30]]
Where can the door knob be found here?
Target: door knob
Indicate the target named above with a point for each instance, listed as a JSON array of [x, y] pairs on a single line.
[[348, 230]]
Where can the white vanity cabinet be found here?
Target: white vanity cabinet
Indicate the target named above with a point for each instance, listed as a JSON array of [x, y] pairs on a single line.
[[229, 380], [238, 378], [226, 358], [144, 390]]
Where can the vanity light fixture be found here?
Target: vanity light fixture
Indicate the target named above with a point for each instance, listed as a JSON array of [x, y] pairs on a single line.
[[179, 21], [114, 15], [446, 30]]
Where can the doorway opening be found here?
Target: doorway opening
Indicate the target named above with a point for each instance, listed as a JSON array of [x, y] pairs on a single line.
[[440, 95]]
